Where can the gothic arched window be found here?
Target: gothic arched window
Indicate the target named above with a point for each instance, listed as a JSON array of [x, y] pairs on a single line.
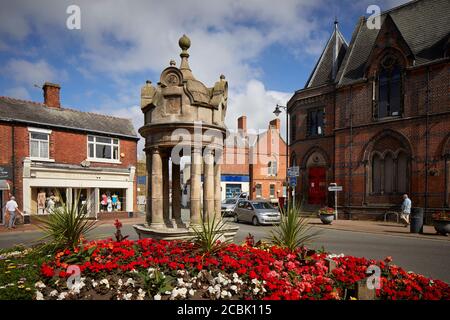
[[389, 102], [389, 173]]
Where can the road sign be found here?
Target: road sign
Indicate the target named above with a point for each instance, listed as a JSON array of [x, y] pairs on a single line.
[[335, 188], [293, 171], [293, 181]]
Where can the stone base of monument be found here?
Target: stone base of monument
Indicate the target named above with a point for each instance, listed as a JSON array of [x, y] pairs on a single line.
[[144, 231]]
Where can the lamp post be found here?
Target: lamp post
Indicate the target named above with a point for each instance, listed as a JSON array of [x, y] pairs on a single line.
[[277, 112]]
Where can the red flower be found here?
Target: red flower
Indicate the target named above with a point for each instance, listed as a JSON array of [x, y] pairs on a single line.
[[47, 271]]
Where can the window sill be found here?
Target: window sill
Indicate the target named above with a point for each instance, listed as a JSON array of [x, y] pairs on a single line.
[[41, 159], [388, 118], [104, 161]]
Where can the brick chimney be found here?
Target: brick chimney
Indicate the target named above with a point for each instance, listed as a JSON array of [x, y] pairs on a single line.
[[242, 124], [275, 124], [51, 95]]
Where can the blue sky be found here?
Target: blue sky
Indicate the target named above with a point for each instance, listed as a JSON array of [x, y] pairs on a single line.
[[266, 49]]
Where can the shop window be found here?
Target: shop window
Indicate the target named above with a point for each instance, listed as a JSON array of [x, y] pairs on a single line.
[[102, 148], [112, 200], [315, 122], [39, 144]]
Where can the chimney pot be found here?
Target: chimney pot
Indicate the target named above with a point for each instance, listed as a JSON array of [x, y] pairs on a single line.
[[51, 95]]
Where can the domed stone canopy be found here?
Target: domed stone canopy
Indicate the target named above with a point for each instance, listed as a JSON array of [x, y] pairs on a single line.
[[179, 98], [181, 112]]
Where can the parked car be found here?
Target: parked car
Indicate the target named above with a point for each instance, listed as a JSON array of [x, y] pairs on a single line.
[[228, 206], [257, 212]]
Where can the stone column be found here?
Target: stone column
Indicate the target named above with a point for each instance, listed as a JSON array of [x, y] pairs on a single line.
[[208, 185], [217, 190], [166, 189], [157, 220], [196, 171], [176, 194], [148, 184]]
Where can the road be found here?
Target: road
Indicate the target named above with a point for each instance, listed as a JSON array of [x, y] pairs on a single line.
[[428, 257]]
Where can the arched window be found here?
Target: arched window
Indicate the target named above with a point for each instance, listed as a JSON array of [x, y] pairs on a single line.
[[389, 88], [389, 174], [376, 174]]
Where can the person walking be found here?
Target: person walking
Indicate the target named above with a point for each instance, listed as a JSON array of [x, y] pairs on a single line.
[[12, 207], [406, 209]]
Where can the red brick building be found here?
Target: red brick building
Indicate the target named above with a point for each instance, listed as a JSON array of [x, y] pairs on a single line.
[[47, 150], [374, 116], [255, 163]]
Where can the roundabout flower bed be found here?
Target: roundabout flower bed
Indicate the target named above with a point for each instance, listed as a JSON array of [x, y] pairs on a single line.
[[151, 269]]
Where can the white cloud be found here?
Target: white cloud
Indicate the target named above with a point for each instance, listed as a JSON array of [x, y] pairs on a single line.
[[18, 92], [30, 73], [258, 104]]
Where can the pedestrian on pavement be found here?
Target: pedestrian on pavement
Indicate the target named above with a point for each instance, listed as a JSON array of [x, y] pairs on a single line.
[[406, 209], [12, 207]]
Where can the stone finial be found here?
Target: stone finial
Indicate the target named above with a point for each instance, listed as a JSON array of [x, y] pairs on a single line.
[[172, 63], [222, 77], [184, 43]]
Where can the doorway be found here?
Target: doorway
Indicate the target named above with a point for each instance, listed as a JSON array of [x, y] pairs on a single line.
[[317, 190]]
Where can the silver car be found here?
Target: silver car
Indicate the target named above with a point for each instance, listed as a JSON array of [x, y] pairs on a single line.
[[228, 206], [257, 212]]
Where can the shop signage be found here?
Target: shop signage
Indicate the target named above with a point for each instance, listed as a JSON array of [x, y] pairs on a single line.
[[5, 172]]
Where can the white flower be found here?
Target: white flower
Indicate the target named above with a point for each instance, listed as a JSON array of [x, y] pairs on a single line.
[[120, 283], [180, 281], [255, 281], [62, 296], [235, 275], [39, 284], [2, 287], [141, 294], [105, 282], [224, 294], [127, 296], [39, 295], [191, 292], [129, 282], [157, 297], [94, 283], [54, 293], [255, 290], [234, 288], [182, 292], [77, 286]]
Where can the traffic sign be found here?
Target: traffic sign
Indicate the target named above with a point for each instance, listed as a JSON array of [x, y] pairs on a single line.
[[335, 188], [293, 181], [293, 171]]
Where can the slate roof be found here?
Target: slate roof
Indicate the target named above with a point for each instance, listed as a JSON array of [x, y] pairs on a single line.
[[424, 25], [323, 71], [33, 113]]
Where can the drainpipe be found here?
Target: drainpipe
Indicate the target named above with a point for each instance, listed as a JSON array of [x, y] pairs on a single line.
[[426, 142], [13, 160], [350, 189]]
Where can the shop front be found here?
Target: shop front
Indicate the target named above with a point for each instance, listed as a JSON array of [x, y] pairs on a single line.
[[48, 185]]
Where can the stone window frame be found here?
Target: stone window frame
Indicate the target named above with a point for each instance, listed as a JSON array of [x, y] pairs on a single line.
[[395, 181], [382, 64]]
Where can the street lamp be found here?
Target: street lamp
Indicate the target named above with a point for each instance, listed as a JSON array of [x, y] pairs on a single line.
[[277, 112]]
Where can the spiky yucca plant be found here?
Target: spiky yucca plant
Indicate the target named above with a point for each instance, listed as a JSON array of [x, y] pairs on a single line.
[[293, 230], [65, 226], [208, 233]]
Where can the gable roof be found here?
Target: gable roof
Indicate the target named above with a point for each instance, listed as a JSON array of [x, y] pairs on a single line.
[[330, 60], [423, 25], [33, 113]]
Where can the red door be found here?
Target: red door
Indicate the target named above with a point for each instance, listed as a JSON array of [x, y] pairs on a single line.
[[317, 185]]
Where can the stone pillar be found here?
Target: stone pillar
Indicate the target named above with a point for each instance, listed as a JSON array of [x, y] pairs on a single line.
[[157, 220], [196, 171], [166, 189], [208, 185], [176, 194], [148, 184], [217, 190]]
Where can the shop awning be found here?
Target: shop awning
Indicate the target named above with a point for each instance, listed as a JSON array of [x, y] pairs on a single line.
[[4, 185]]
